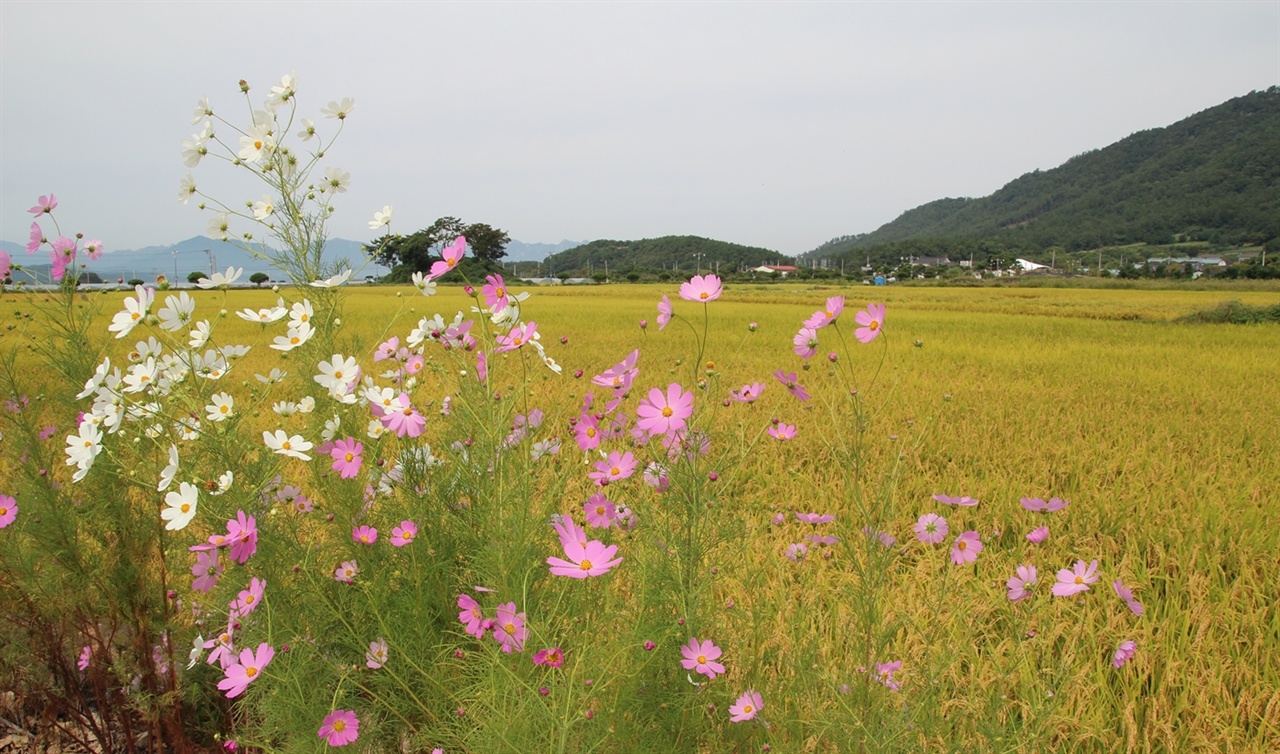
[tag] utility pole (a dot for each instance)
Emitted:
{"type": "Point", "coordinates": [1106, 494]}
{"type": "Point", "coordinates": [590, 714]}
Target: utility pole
{"type": "Point", "coordinates": [175, 266]}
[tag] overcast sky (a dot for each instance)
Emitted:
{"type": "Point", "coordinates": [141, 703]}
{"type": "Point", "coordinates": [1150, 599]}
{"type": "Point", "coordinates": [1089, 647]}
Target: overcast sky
{"type": "Point", "coordinates": [772, 124]}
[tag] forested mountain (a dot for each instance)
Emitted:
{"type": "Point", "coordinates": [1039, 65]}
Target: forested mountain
{"type": "Point", "coordinates": [673, 253]}
{"type": "Point", "coordinates": [1214, 176]}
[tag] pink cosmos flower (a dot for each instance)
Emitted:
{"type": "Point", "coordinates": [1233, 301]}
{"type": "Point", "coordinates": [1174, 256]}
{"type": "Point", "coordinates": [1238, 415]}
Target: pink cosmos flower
{"type": "Point", "coordinates": [36, 238]}
{"type": "Point", "coordinates": [206, 570]}
{"type": "Point", "coordinates": [415, 363]}
{"type": "Point", "coordinates": [1036, 504]}
{"type": "Point", "coordinates": [966, 548]}
{"type": "Point", "coordinates": [94, 249]}
{"type": "Point", "coordinates": [616, 467]}
{"type": "Point", "coordinates": [931, 529]}
{"type": "Point", "coordinates": [1020, 584]}
{"type": "Point", "coordinates": [1076, 579]}
{"type": "Point", "coordinates": [482, 366]}
{"type": "Point", "coordinates": [248, 599]}
{"type": "Point", "coordinates": [962, 500]}
{"type": "Point", "coordinates": [404, 533]}
{"type": "Point", "coordinates": [376, 657]}
{"type": "Point", "coordinates": [884, 674]}
{"type": "Point", "coordinates": [494, 292]}
{"type": "Point", "coordinates": [700, 657]}
{"type": "Point", "coordinates": [796, 551]}
{"type": "Point", "coordinates": [44, 205]}
{"type": "Point", "coordinates": [789, 381]}
{"type": "Point", "coordinates": [519, 335]}
{"type": "Point", "coordinates": [86, 655]}
{"type": "Point", "coordinates": [346, 454]}
{"type": "Point", "coordinates": [451, 255]}
{"type": "Point", "coordinates": [1126, 594]}
{"type": "Point", "coordinates": [657, 476]}
{"type": "Point", "coordinates": [599, 510]}
{"type": "Point", "coordinates": [224, 652]}
{"type": "Point", "coordinates": [748, 393]}
{"type": "Point", "coordinates": [746, 708]}
{"type": "Point", "coordinates": [1124, 653]}
{"type": "Point", "coordinates": [587, 432]}
{"type": "Point", "coordinates": [871, 321]}
{"type": "Point", "coordinates": [782, 431]}
{"type": "Point", "coordinates": [242, 535]}
{"type": "Point", "coordinates": [665, 413]}
{"type": "Point", "coordinates": [815, 518]}
{"type": "Point", "coordinates": [828, 315]}
{"type": "Point", "coordinates": [400, 417]}
{"type": "Point", "coordinates": [471, 616]}
{"type": "Point", "coordinates": [6, 265]}
{"type": "Point", "coordinates": [1038, 535]}
{"type": "Point", "coordinates": [340, 727]}
{"type": "Point", "coordinates": [364, 535]}
{"type": "Point", "coordinates": [701, 289]}
{"type": "Point", "coordinates": [509, 628]}
{"type": "Point", "coordinates": [664, 312]}
{"type": "Point", "coordinates": [386, 349]}
{"type": "Point", "coordinates": [806, 342]}
{"type": "Point", "coordinates": [589, 559]}
{"type": "Point", "coordinates": [347, 572]}
{"type": "Point", "coordinates": [552, 657]}
{"type": "Point", "coordinates": [8, 510]}
{"type": "Point", "coordinates": [247, 670]}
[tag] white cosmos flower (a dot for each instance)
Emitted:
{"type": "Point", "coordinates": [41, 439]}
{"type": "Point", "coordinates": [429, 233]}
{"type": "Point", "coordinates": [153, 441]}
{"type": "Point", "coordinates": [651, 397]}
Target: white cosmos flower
{"type": "Point", "coordinates": [169, 472]}
{"type": "Point", "coordinates": [425, 287]}
{"type": "Point", "coordinates": [285, 445]}
{"type": "Point", "coordinates": [375, 429]}
{"type": "Point", "coordinates": [264, 316]}
{"type": "Point", "coordinates": [331, 427]}
{"type": "Point", "coordinates": [193, 150]}
{"type": "Point", "coordinates": [332, 282]}
{"type": "Point", "coordinates": [236, 351]}
{"type": "Point", "coordinates": [336, 180]}
{"type": "Point", "coordinates": [381, 218]}
{"type": "Point", "coordinates": [306, 405]}
{"type": "Point", "coordinates": [148, 347]}
{"type": "Point", "coordinates": [296, 336]}
{"type": "Point", "coordinates": [308, 131]}
{"type": "Point", "coordinates": [285, 408]}
{"type": "Point", "coordinates": [221, 405]}
{"type": "Point", "coordinates": [338, 371]}
{"type": "Point", "coordinates": [84, 446]}
{"type": "Point", "coordinates": [264, 208]}
{"type": "Point", "coordinates": [220, 279]}
{"type": "Point", "coordinates": [134, 310]}
{"type": "Point", "coordinates": [140, 376]}
{"type": "Point", "coordinates": [176, 312]}
{"type": "Point", "coordinates": [224, 483]}
{"type": "Point", "coordinates": [271, 378]}
{"type": "Point", "coordinates": [220, 226]}
{"type": "Point", "coordinates": [188, 429]}
{"type": "Point", "coordinates": [186, 188]}
{"type": "Point", "coordinates": [181, 506]}
{"type": "Point", "coordinates": [199, 334]}
{"type": "Point", "coordinates": [96, 380]}
{"type": "Point", "coordinates": [339, 109]}
{"type": "Point", "coordinates": [284, 91]}
{"type": "Point", "coordinates": [256, 142]}
{"type": "Point", "coordinates": [202, 111]}
{"type": "Point", "coordinates": [301, 313]}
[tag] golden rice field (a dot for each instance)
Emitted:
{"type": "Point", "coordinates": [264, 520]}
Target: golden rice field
{"type": "Point", "coordinates": [1165, 437]}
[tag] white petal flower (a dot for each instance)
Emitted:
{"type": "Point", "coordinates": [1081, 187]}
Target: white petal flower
{"type": "Point", "coordinates": [274, 376]}
{"type": "Point", "coordinates": [134, 310]}
{"type": "Point", "coordinates": [381, 218]}
{"type": "Point", "coordinates": [181, 506]}
{"type": "Point", "coordinates": [308, 131]}
{"type": "Point", "coordinates": [306, 405]}
{"type": "Point", "coordinates": [224, 483]}
{"type": "Point", "coordinates": [221, 405]}
{"type": "Point", "coordinates": [202, 111]}
{"type": "Point", "coordinates": [332, 282]}
{"type": "Point", "coordinates": [199, 334]}
{"type": "Point", "coordinates": [301, 313]}
{"type": "Point", "coordinates": [255, 143]}
{"type": "Point", "coordinates": [296, 336]}
{"type": "Point", "coordinates": [169, 472]}
{"type": "Point", "coordinates": [264, 208]}
{"type": "Point", "coordinates": [186, 188]}
{"type": "Point", "coordinates": [285, 445]}
{"type": "Point", "coordinates": [375, 429]}
{"type": "Point", "coordinates": [284, 91]}
{"type": "Point", "coordinates": [285, 408]}
{"type": "Point", "coordinates": [96, 380]}
{"type": "Point", "coordinates": [140, 376]}
{"type": "Point", "coordinates": [338, 371]}
{"type": "Point", "coordinates": [85, 445]}
{"type": "Point", "coordinates": [220, 226]}
{"type": "Point", "coordinates": [193, 150]}
{"type": "Point", "coordinates": [336, 180]}
{"type": "Point", "coordinates": [331, 427]}
{"type": "Point", "coordinates": [425, 287]}
{"type": "Point", "coordinates": [220, 279]}
{"type": "Point", "coordinates": [339, 110]}
{"type": "Point", "coordinates": [176, 312]}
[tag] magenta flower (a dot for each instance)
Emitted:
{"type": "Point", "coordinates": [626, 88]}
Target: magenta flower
{"type": "Point", "coordinates": [247, 670]}
{"type": "Point", "coordinates": [471, 616]}
{"type": "Point", "coordinates": [616, 467]}
{"type": "Point", "coordinates": [1076, 579]}
{"type": "Point", "coordinates": [346, 454]}
{"type": "Point", "coordinates": [1020, 584]}
{"type": "Point", "coordinates": [748, 393]}
{"type": "Point", "coordinates": [86, 655]}
{"type": "Point", "coordinates": [386, 349]}
{"type": "Point", "coordinates": [340, 727]}
{"type": "Point", "coordinates": [1124, 653]}
{"type": "Point", "coordinates": [8, 510]}
{"type": "Point", "coordinates": [248, 599]}
{"type": "Point", "coordinates": [664, 413]}
{"type": "Point", "coordinates": [789, 381]}
{"type": "Point", "coordinates": [701, 288]}
{"type": "Point", "coordinates": [401, 418]}
{"type": "Point", "coordinates": [242, 535]}
{"type": "Point", "coordinates": [871, 321]}
{"type": "Point", "coordinates": [657, 476]}
{"type": "Point", "coordinates": [815, 518]}
{"type": "Point", "coordinates": [884, 674]}
{"type": "Point", "coordinates": [44, 205]}
{"type": "Point", "coordinates": [962, 500]}
{"type": "Point", "coordinates": [451, 255]}
{"type": "Point", "coordinates": [404, 533]}
{"type": "Point", "coordinates": [599, 510]}
{"type": "Point", "coordinates": [782, 431]}
{"type": "Point", "coordinates": [6, 265]}
{"type": "Point", "coordinates": [552, 657]}
{"type": "Point", "coordinates": [519, 335]}
{"type": "Point", "coordinates": [1126, 594]}
{"type": "Point", "coordinates": [1038, 535]}
{"type": "Point", "coordinates": [509, 628]}
{"type": "Point", "coordinates": [796, 551]}
{"type": "Point", "coordinates": [494, 292]}
{"type": "Point", "coordinates": [36, 238]}
{"type": "Point", "coordinates": [966, 548]}
{"type": "Point", "coordinates": [1036, 504]}
{"type": "Point", "coordinates": [364, 535]}
{"type": "Point", "coordinates": [664, 312]}
{"type": "Point", "coordinates": [206, 569]}
{"type": "Point", "coordinates": [827, 316]}
{"type": "Point", "coordinates": [376, 657]}
{"type": "Point", "coordinates": [589, 559]}
{"type": "Point", "coordinates": [931, 529]}
{"type": "Point", "coordinates": [806, 342]}
{"type": "Point", "coordinates": [347, 572]}
{"type": "Point", "coordinates": [746, 708]}
{"type": "Point", "coordinates": [700, 657]}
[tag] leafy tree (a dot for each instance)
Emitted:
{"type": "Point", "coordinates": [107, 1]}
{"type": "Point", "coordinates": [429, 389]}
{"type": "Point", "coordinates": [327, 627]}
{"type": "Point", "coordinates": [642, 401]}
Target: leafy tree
{"type": "Point", "coordinates": [192, 277]}
{"type": "Point", "coordinates": [258, 278]}
{"type": "Point", "coordinates": [415, 252]}
{"type": "Point", "coordinates": [135, 282]}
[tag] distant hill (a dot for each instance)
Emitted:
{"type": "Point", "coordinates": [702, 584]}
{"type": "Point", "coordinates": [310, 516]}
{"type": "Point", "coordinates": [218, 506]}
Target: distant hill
{"type": "Point", "coordinates": [1214, 176]}
{"type": "Point", "coordinates": [675, 253]}
{"type": "Point", "coordinates": [519, 251]}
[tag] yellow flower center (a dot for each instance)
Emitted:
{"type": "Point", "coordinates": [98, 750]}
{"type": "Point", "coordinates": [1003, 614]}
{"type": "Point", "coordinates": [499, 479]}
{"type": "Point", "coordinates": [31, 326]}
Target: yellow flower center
{"type": "Point", "coordinates": [961, 545]}
{"type": "Point", "coordinates": [257, 144]}
{"type": "Point", "coordinates": [702, 659]}
{"type": "Point", "coordinates": [287, 446]}
{"type": "Point", "coordinates": [586, 565]}
{"type": "Point", "coordinates": [350, 457]}
{"type": "Point", "coordinates": [249, 599]}
{"type": "Point", "coordinates": [1079, 579]}
{"type": "Point", "coordinates": [510, 628]}
{"type": "Point", "coordinates": [874, 325]}
{"type": "Point", "coordinates": [339, 726]}
{"type": "Point", "coordinates": [591, 431]}
{"type": "Point", "coordinates": [185, 507]}
{"type": "Point", "coordinates": [703, 295]}
{"type": "Point", "coordinates": [250, 672]}
{"type": "Point", "coordinates": [666, 411]}
{"type": "Point", "coordinates": [746, 709]}
{"type": "Point", "coordinates": [615, 471]}
{"type": "Point", "coordinates": [224, 409]}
